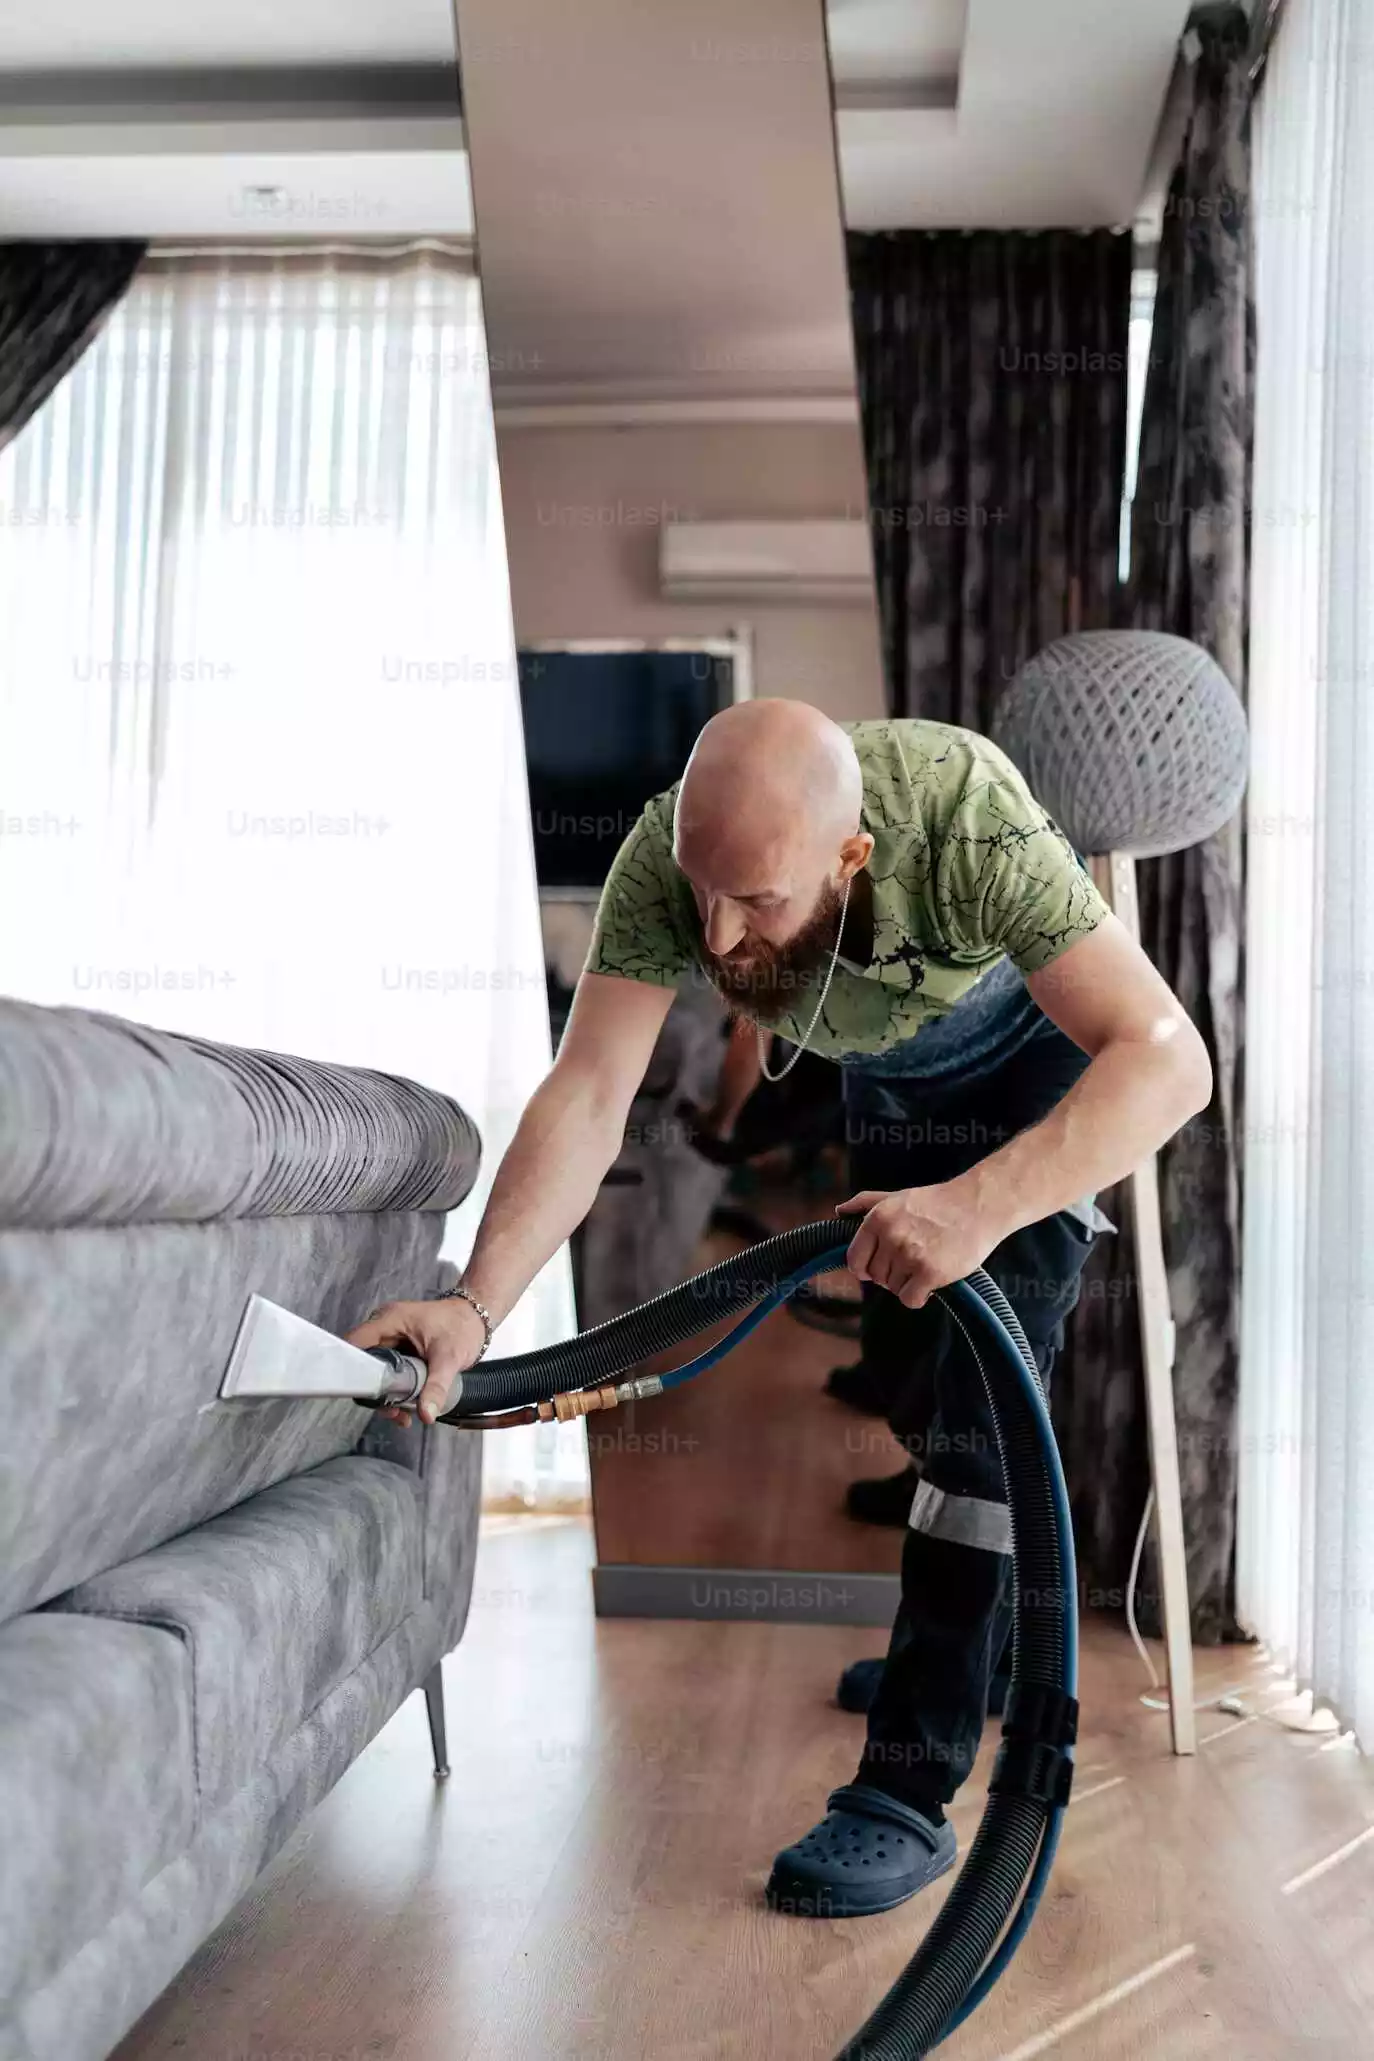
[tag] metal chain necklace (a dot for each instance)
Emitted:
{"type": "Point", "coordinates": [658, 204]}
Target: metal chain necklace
{"type": "Point", "coordinates": [816, 1016]}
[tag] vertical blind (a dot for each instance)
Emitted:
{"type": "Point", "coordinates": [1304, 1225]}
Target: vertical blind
{"type": "Point", "coordinates": [1305, 1544]}
{"type": "Point", "coordinates": [263, 771]}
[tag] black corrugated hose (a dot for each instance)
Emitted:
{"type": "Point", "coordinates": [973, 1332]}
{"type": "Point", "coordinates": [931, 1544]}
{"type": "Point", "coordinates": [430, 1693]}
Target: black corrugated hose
{"type": "Point", "coordinates": [960, 1955]}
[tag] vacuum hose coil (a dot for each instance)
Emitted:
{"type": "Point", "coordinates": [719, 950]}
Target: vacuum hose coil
{"type": "Point", "coordinates": [996, 1892]}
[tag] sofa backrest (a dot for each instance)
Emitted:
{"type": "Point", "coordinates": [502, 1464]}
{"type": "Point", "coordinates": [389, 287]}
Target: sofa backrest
{"type": "Point", "coordinates": [148, 1184]}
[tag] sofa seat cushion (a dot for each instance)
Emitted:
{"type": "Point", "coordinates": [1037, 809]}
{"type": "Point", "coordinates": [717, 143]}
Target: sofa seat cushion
{"type": "Point", "coordinates": [97, 1780]}
{"type": "Point", "coordinates": [277, 1602]}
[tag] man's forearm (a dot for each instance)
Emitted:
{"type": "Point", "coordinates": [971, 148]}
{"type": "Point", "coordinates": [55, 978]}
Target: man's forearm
{"type": "Point", "coordinates": [1128, 1102]}
{"type": "Point", "coordinates": [546, 1184]}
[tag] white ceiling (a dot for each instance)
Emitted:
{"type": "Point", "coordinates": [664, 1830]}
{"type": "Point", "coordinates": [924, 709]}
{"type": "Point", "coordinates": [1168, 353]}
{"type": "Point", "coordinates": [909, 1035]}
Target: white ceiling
{"type": "Point", "coordinates": [658, 211]}
{"type": "Point", "coordinates": [90, 35]}
{"type": "Point", "coordinates": [880, 47]}
{"type": "Point", "coordinates": [1058, 101]}
{"type": "Point", "coordinates": [657, 182]}
{"type": "Point", "coordinates": [231, 118]}
{"type": "Point", "coordinates": [953, 113]}
{"type": "Point", "coordinates": [871, 41]}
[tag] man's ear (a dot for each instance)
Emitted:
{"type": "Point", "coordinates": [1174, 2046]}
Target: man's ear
{"type": "Point", "coordinates": [856, 851]}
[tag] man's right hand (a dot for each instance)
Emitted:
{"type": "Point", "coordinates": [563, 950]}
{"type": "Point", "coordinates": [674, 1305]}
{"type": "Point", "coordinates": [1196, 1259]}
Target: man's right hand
{"type": "Point", "coordinates": [546, 1183]}
{"type": "Point", "coordinates": [447, 1335]}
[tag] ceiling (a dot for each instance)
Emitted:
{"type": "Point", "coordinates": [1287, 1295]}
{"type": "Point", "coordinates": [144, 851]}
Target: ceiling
{"type": "Point", "coordinates": [898, 53]}
{"type": "Point", "coordinates": [86, 35]}
{"type": "Point", "coordinates": [1051, 126]}
{"type": "Point", "coordinates": [665, 203]}
{"type": "Point", "coordinates": [952, 113]}
{"type": "Point", "coordinates": [878, 45]}
{"type": "Point", "coordinates": [658, 206]}
{"type": "Point", "coordinates": [232, 118]}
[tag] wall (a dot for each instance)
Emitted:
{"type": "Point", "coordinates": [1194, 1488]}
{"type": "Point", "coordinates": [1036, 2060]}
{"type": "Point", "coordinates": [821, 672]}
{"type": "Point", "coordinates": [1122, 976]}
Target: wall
{"type": "Point", "coordinates": [583, 509]}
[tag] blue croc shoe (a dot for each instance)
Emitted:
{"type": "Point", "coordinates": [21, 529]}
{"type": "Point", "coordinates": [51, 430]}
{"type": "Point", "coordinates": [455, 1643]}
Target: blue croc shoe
{"type": "Point", "coordinates": [869, 1853]}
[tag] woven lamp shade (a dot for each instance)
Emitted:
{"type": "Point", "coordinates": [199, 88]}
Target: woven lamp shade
{"type": "Point", "coordinates": [1135, 741]}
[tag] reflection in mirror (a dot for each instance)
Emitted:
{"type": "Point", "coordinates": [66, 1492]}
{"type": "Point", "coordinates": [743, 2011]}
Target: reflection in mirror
{"type": "Point", "coordinates": [663, 278]}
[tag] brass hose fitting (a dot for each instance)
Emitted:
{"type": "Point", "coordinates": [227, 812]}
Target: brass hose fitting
{"type": "Point", "coordinates": [578, 1404]}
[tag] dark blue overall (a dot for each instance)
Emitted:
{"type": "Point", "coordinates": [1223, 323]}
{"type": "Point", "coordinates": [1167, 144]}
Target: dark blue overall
{"type": "Point", "coordinates": [918, 1114]}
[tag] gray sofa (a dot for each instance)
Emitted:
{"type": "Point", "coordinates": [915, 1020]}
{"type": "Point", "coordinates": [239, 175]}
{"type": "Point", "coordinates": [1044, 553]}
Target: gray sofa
{"type": "Point", "coordinates": [205, 1612]}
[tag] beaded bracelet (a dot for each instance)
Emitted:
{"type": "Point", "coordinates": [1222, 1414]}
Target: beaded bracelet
{"type": "Point", "coordinates": [467, 1296]}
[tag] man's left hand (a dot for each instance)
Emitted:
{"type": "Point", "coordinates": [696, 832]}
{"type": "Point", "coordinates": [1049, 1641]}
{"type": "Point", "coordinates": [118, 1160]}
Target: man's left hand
{"type": "Point", "coordinates": [915, 1240]}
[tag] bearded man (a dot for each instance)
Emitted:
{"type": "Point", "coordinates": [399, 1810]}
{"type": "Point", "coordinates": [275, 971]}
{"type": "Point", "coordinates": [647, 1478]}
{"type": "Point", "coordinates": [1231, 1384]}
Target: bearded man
{"type": "Point", "coordinates": [888, 895]}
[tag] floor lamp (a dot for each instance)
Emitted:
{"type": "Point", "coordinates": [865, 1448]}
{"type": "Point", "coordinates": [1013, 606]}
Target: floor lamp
{"type": "Point", "coordinates": [1135, 741]}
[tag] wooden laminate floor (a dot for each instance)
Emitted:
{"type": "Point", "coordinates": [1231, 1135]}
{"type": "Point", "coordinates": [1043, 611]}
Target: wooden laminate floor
{"type": "Point", "coordinates": [588, 1883]}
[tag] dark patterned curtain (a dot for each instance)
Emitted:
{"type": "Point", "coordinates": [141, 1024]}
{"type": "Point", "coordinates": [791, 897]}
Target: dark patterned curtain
{"type": "Point", "coordinates": [992, 377]}
{"type": "Point", "coordinates": [1189, 572]}
{"type": "Point", "coordinates": [53, 299]}
{"type": "Point", "coordinates": [1190, 569]}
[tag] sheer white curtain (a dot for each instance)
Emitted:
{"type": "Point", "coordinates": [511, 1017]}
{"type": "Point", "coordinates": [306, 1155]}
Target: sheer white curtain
{"type": "Point", "coordinates": [1305, 1550]}
{"type": "Point", "coordinates": [263, 775]}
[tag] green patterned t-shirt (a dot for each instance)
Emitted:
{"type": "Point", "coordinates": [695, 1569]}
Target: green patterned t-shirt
{"type": "Point", "coordinates": [967, 871]}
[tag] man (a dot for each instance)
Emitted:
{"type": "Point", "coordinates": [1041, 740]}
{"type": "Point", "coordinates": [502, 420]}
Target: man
{"type": "Point", "coordinates": [889, 895]}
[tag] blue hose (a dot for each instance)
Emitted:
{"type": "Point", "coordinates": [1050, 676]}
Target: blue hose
{"type": "Point", "coordinates": [994, 1897]}
{"type": "Point", "coordinates": [962, 1295]}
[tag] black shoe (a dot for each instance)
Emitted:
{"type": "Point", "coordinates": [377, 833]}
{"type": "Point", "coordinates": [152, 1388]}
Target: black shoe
{"type": "Point", "coordinates": [887, 1501]}
{"type": "Point", "coordinates": [858, 1685]}
{"type": "Point", "coordinates": [861, 1387]}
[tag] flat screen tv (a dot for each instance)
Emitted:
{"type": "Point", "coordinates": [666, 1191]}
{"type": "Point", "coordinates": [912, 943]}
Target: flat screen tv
{"type": "Point", "coordinates": [605, 730]}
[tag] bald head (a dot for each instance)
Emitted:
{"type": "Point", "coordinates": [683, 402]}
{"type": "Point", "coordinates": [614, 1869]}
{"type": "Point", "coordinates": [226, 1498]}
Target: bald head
{"type": "Point", "coordinates": [769, 778]}
{"type": "Point", "coordinates": [768, 831]}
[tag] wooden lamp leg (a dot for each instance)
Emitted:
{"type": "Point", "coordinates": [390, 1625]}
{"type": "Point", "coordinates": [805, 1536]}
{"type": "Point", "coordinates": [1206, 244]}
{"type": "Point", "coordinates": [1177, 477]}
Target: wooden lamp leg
{"type": "Point", "coordinates": [1116, 877]}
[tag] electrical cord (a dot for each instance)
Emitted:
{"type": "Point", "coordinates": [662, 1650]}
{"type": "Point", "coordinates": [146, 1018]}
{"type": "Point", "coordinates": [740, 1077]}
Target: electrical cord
{"type": "Point", "coordinates": [1229, 1701]}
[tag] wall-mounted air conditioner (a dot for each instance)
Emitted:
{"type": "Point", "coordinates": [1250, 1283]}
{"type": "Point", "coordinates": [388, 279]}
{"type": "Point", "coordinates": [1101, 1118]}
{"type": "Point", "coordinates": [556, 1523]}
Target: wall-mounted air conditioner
{"type": "Point", "coordinates": [766, 561]}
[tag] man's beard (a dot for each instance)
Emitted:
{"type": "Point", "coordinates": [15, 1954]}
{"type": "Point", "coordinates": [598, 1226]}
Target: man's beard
{"type": "Point", "coordinates": [773, 981]}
